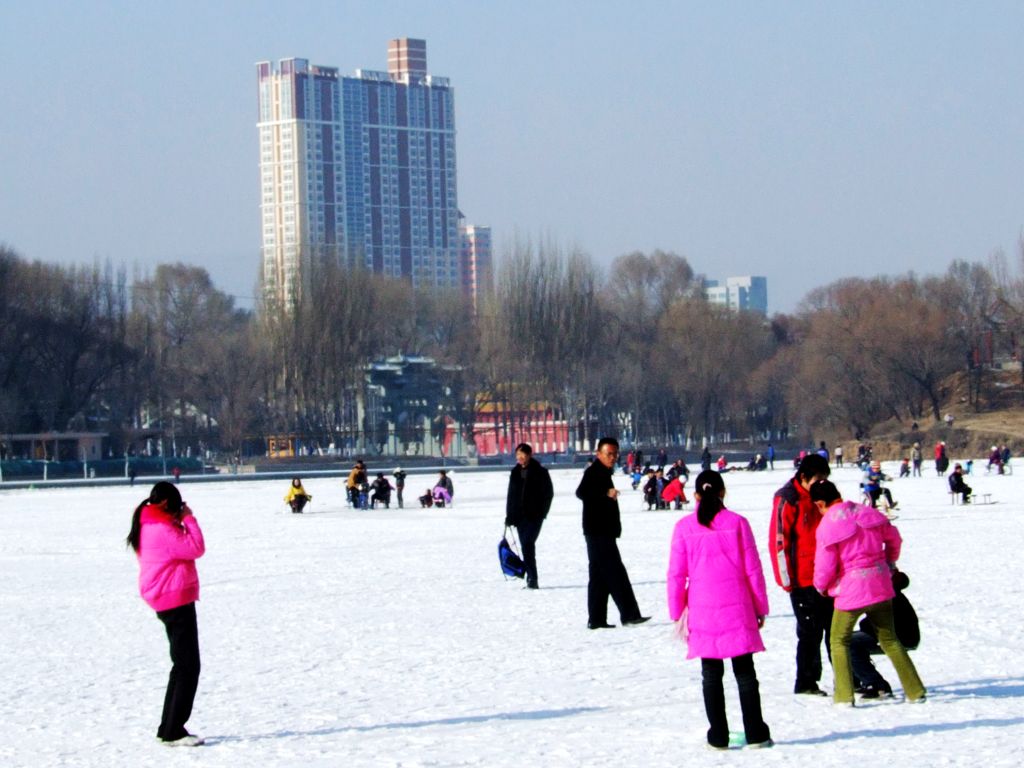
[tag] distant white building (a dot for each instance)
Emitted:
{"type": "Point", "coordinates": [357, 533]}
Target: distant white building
{"type": "Point", "coordinates": [739, 293]}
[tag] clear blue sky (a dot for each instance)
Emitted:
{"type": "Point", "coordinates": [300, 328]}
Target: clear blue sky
{"type": "Point", "coordinates": [802, 141]}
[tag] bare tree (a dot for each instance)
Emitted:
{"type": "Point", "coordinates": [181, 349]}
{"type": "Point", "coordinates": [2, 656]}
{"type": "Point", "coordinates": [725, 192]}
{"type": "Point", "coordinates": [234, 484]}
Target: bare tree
{"type": "Point", "coordinates": [641, 288]}
{"type": "Point", "coordinates": [707, 353]}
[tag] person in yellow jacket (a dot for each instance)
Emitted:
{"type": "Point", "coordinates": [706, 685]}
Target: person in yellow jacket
{"type": "Point", "coordinates": [297, 498]}
{"type": "Point", "coordinates": [356, 482]}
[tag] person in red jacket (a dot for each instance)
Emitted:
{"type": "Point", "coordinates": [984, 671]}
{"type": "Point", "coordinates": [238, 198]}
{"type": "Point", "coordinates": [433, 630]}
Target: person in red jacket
{"type": "Point", "coordinates": [792, 542]}
{"type": "Point", "coordinates": [167, 540]}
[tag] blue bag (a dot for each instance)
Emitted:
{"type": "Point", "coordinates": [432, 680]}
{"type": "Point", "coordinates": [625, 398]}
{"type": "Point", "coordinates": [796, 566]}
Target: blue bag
{"type": "Point", "coordinates": [511, 563]}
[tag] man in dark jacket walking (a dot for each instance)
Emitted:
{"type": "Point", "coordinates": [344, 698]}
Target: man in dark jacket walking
{"type": "Point", "coordinates": [601, 527]}
{"type": "Point", "coordinates": [529, 499]}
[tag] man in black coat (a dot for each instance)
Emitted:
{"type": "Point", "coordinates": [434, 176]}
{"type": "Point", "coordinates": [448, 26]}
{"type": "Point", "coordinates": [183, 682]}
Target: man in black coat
{"type": "Point", "coordinates": [601, 527]}
{"type": "Point", "coordinates": [529, 499]}
{"type": "Point", "coordinates": [957, 484]}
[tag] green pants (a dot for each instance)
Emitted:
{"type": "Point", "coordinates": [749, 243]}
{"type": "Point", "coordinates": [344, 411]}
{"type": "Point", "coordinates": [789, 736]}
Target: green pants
{"type": "Point", "coordinates": [843, 623]}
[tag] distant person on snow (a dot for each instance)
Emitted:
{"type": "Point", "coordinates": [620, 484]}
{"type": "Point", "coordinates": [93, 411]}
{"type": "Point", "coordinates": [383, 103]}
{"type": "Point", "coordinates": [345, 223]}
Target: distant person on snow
{"type": "Point", "coordinates": [958, 485]}
{"type": "Point", "coordinates": [873, 485]}
{"type": "Point", "coordinates": [526, 505]}
{"type": "Point", "coordinates": [995, 459]}
{"type": "Point", "coordinates": [380, 491]}
{"type": "Point", "coordinates": [427, 499]}
{"type": "Point", "coordinates": [356, 483]}
{"type": "Point", "coordinates": [652, 490]}
{"type": "Point", "coordinates": [167, 541]}
{"type": "Point", "coordinates": [443, 481]}
{"type": "Point", "coordinates": [399, 475]}
{"type": "Point", "coordinates": [674, 492]}
{"type": "Point", "coordinates": [297, 498]}
{"type": "Point", "coordinates": [941, 459]}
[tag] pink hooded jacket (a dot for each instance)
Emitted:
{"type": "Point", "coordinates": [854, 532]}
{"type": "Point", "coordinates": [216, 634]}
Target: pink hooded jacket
{"type": "Point", "coordinates": [167, 559]}
{"type": "Point", "coordinates": [715, 575]}
{"type": "Point", "coordinates": [856, 545]}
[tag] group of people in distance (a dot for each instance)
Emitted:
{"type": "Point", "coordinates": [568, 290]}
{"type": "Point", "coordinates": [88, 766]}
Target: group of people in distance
{"type": "Point", "coordinates": [664, 488]}
{"type": "Point", "coordinates": [835, 558]}
{"type": "Point", "coordinates": [362, 494]}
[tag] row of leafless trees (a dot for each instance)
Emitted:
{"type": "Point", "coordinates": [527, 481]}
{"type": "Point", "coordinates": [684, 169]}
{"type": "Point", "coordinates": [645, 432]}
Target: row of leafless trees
{"type": "Point", "coordinates": [636, 352]}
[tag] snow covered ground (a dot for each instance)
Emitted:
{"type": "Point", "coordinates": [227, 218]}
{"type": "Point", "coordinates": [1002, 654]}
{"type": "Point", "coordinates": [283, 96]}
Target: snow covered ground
{"type": "Point", "coordinates": [390, 638]}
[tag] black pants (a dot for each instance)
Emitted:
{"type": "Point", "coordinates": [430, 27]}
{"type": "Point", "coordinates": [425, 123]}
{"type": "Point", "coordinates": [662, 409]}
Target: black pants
{"type": "Point", "coordinates": [183, 634]}
{"type": "Point", "coordinates": [813, 625]}
{"type": "Point", "coordinates": [712, 672]}
{"type": "Point", "coordinates": [529, 531]}
{"type": "Point", "coordinates": [862, 645]}
{"type": "Point", "coordinates": [880, 492]}
{"type": "Point", "coordinates": [608, 577]}
{"type": "Point", "coordinates": [401, 501]}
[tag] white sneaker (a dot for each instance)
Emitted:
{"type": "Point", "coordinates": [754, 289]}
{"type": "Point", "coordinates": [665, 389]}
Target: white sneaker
{"type": "Point", "coordinates": [185, 741]}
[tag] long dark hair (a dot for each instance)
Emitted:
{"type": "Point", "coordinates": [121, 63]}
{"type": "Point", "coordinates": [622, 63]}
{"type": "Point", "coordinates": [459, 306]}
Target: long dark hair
{"type": "Point", "coordinates": [162, 491]}
{"type": "Point", "coordinates": [709, 487]}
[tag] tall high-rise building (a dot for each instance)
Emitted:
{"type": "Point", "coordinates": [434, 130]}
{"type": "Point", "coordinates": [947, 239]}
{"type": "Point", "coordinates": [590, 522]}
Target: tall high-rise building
{"type": "Point", "coordinates": [358, 169]}
{"type": "Point", "coordinates": [475, 261]}
{"type": "Point", "coordinates": [747, 293]}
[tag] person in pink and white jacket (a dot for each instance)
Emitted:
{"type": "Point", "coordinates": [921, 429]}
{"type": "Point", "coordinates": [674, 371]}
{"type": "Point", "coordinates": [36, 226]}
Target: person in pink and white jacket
{"type": "Point", "coordinates": [857, 547]}
{"type": "Point", "coordinates": [167, 540]}
{"type": "Point", "coordinates": [716, 593]}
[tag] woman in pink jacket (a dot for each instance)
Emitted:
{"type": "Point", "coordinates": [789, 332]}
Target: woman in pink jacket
{"type": "Point", "coordinates": [167, 540]}
{"type": "Point", "coordinates": [716, 592]}
{"type": "Point", "coordinates": [856, 549]}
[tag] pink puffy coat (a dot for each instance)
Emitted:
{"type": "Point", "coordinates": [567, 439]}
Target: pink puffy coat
{"type": "Point", "coordinates": [856, 545]}
{"type": "Point", "coordinates": [715, 575]}
{"type": "Point", "coordinates": [167, 559]}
